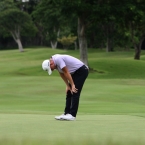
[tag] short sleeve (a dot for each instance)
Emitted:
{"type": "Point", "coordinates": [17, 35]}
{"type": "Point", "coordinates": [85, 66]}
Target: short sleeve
{"type": "Point", "coordinates": [60, 63]}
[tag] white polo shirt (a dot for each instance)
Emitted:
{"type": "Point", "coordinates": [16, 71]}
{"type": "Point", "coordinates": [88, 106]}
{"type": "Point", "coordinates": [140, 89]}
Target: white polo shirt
{"type": "Point", "coordinates": [68, 61]}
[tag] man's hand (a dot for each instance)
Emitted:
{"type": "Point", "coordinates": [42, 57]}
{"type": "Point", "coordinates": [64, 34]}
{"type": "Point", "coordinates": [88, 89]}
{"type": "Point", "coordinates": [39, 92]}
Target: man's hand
{"type": "Point", "coordinates": [68, 79]}
{"type": "Point", "coordinates": [72, 89]}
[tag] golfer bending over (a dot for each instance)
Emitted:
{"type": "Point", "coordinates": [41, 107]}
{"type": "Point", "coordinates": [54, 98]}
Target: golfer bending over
{"type": "Point", "coordinates": [74, 74]}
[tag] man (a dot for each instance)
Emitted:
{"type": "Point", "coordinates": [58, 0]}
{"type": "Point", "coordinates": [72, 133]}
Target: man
{"type": "Point", "coordinates": [74, 73]}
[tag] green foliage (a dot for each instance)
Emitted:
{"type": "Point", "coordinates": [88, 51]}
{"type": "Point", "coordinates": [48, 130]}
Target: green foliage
{"type": "Point", "coordinates": [13, 18]}
{"type": "Point", "coordinates": [98, 17]}
{"type": "Point", "coordinates": [13, 21]}
{"type": "Point", "coordinates": [6, 4]}
{"type": "Point", "coordinates": [29, 29]}
{"type": "Point", "coordinates": [51, 20]}
{"type": "Point", "coordinates": [3, 32]}
{"type": "Point", "coordinates": [66, 41]}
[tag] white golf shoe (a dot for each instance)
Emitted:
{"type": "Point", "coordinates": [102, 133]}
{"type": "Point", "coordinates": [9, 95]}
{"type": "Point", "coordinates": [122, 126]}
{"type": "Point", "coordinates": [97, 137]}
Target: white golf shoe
{"type": "Point", "coordinates": [68, 117]}
{"type": "Point", "coordinates": [59, 117]}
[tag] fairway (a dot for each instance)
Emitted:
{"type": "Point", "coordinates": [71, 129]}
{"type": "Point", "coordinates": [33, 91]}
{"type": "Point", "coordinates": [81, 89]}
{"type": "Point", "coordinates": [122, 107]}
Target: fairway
{"type": "Point", "coordinates": [112, 104]}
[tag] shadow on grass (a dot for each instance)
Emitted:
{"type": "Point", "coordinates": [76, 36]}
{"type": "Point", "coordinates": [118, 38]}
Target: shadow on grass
{"type": "Point", "coordinates": [92, 70]}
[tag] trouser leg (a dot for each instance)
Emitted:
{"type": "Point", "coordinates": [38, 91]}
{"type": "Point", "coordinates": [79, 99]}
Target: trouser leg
{"type": "Point", "coordinates": [76, 96]}
{"type": "Point", "coordinates": [72, 100]}
{"type": "Point", "coordinates": [75, 104]}
{"type": "Point", "coordinates": [68, 102]}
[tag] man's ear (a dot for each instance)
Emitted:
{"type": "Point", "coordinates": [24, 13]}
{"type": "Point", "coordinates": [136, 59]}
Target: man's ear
{"type": "Point", "coordinates": [51, 61]}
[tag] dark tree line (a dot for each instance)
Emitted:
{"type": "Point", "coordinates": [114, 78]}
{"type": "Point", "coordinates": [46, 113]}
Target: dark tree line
{"type": "Point", "coordinates": [96, 23]}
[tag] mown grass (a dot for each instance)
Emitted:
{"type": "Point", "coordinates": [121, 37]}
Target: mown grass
{"type": "Point", "coordinates": [107, 65]}
{"type": "Point", "coordinates": [95, 129]}
{"type": "Point", "coordinates": [112, 104]}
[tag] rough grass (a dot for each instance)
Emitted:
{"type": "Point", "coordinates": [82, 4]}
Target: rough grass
{"type": "Point", "coordinates": [112, 104]}
{"type": "Point", "coordinates": [106, 65]}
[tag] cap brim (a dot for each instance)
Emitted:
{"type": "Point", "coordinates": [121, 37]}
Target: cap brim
{"type": "Point", "coordinates": [49, 71]}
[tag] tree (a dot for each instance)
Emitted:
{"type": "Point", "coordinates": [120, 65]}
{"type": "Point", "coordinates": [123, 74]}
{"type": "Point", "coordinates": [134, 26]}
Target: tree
{"type": "Point", "coordinates": [83, 9]}
{"type": "Point", "coordinates": [48, 16]}
{"type": "Point", "coordinates": [14, 20]}
{"type": "Point", "coordinates": [131, 21]}
{"type": "Point", "coordinates": [137, 26]}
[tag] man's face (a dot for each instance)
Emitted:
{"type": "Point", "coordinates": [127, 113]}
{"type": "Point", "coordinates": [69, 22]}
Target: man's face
{"type": "Point", "coordinates": [52, 65]}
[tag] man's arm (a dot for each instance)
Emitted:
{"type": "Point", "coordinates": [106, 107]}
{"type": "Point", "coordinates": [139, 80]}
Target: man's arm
{"type": "Point", "coordinates": [66, 76]}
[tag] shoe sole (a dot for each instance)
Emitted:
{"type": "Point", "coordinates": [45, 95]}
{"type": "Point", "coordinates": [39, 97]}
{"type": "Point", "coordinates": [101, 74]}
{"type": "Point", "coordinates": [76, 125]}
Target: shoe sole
{"type": "Point", "coordinates": [69, 119]}
{"type": "Point", "coordinates": [64, 119]}
{"type": "Point", "coordinates": [59, 119]}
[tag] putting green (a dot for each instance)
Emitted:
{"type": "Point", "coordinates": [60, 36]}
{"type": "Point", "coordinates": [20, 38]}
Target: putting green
{"type": "Point", "coordinates": [99, 127]}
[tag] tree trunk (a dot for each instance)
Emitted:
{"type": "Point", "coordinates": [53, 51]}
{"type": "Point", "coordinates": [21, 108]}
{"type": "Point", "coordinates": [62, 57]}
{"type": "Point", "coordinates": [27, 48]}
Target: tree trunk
{"type": "Point", "coordinates": [138, 49]}
{"type": "Point", "coordinates": [16, 36]}
{"type": "Point", "coordinates": [82, 41]}
{"type": "Point", "coordinates": [137, 53]}
{"type": "Point", "coordinates": [19, 45]}
{"type": "Point", "coordinates": [53, 44]}
{"type": "Point", "coordinates": [109, 33]}
{"type": "Point", "coordinates": [75, 43]}
{"type": "Point", "coordinates": [109, 47]}
{"type": "Point", "coordinates": [137, 45]}
{"type": "Point", "coordinates": [40, 33]}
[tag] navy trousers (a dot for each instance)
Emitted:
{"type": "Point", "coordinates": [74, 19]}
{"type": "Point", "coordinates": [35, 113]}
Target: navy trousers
{"type": "Point", "coordinates": [72, 100]}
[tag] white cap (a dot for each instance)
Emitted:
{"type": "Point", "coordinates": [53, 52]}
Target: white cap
{"type": "Point", "coordinates": [46, 66]}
